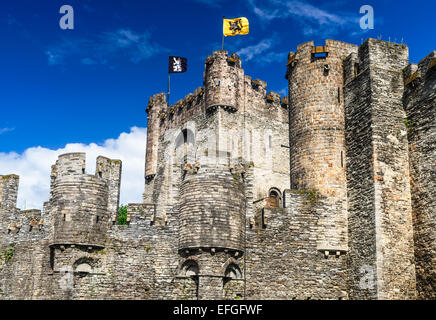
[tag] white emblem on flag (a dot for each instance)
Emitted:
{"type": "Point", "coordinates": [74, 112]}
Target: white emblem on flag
{"type": "Point", "coordinates": [177, 65]}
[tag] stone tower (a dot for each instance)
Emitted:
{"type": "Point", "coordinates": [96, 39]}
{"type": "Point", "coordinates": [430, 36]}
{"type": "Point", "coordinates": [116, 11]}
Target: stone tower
{"type": "Point", "coordinates": [223, 81]}
{"type": "Point", "coordinates": [317, 138]}
{"type": "Point", "coordinates": [378, 179]}
{"type": "Point", "coordinates": [83, 205]}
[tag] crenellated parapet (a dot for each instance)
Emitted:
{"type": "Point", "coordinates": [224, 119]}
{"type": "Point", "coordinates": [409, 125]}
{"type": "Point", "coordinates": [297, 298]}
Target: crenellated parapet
{"type": "Point", "coordinates": [183, 110]}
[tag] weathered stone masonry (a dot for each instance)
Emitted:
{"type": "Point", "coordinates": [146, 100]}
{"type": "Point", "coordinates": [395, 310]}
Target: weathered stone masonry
{"type": "Point", "coordinates": [219, 218]}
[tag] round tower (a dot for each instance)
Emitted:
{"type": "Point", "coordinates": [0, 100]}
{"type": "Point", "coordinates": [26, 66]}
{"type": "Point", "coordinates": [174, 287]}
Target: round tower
{"type": "Point", "coordinates": [211, 229]}
{"type": "Point", "coordinates": [317, 124]}
{"type": "Point", "coordinates": [212, 211]}
{"type": "Point", "coordinates": [79, 203]}
{"type": "Point", "coordinates": [223, 81]}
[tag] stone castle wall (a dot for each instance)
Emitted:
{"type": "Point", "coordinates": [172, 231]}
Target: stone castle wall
{"type": "Point", "coordinates": [218, 220]}
{"type": "Point", "coordinates": [380, 215]}
{"type": "Point", "coordinates": [420, 106]}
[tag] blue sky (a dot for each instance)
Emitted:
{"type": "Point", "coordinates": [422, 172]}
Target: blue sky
{"type": "Point", "coordinates": [91, 84]}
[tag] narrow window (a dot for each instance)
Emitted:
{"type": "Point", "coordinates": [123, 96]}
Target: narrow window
{"type": "Point", "coordinates": [342, 159]}
{"type": "Point", "coordinates": [100, 174]}
{"type": "Point", "coordinates": [320, 55]}
{"type": "Point", "coordinates": [356, 69]}
{"type": "Point", "coordinates": [339, 95]}
{"type": "Point", "coordinates": [98, 219]}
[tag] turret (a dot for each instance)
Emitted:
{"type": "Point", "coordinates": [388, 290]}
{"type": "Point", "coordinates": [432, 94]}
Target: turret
{"type": "Point", "coordinates": [223, 81]}
{"type": "Point", "coordinates": [81, 204]}
{"type": "Point", "coordinates": [317, 139]}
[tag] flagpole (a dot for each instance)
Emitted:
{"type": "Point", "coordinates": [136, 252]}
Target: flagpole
{"type": "Point", "coordinates": [223, 34]}
{"type": "Point", "coordinates": [168, 91]}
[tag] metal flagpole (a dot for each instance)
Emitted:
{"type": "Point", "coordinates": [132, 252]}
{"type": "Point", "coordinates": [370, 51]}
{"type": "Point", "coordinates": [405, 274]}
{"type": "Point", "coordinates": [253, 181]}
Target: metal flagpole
{"type": "Point", "coordinates": [223, 34]}
{"type": "Point", "coordinates": [168, 91]}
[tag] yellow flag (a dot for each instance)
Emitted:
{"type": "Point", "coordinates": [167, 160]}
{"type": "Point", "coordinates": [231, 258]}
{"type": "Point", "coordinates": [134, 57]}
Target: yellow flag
{"type": "Point", "coordinates": [233, 27]}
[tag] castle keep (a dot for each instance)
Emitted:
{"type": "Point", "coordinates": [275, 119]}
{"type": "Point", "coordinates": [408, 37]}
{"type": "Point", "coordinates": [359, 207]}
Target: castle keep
{"type": "Point", "coordinates": [328, 193]}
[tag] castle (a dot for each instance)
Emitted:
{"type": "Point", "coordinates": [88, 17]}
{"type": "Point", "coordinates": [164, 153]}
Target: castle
{"type": "Point", "coordinates": [326, 194]}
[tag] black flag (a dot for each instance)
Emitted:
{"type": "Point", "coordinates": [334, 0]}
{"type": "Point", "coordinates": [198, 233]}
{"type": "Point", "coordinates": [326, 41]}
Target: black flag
{"type": "Point", "coordinates": [177, 64]}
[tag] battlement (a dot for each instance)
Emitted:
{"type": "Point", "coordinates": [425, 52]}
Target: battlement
{"type": "Point", "coordinates": [26, 225]}
{"type": "Point", "coordinates": [308, 53]}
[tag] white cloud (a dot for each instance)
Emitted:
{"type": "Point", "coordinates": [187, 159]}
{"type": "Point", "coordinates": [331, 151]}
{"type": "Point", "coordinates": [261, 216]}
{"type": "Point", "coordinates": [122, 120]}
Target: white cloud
{"type": "Point", "coordinates": [211, 3]}
{"type": "Point", "coordinates": [107, 46]}
{"type": "Point", "coordinates": [34, 164]}
{"type": "Point", "coordinates": [314, 20]}
{"type": "Point", "coordinates": [4, 130]}
{"type": "Point", "coordinates": [250, 52]}
{"type": "Point", "coordinates": [261, 52]}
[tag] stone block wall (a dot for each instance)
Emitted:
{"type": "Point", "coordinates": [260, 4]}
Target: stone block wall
{"type": "Point", "coordinates": [420, 106]}
{"type": "Point", "coordinates": [8, 191]}
{"type": "Point", "coordinates": [282, 256]}
{"type": "Point", "coordinates": [379, 211]}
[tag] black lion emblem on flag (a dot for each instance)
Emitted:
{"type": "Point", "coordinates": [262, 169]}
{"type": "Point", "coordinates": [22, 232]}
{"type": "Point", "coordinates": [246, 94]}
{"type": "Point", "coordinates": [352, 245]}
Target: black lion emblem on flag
{"type": "Point", "coordinates": [235, 26]}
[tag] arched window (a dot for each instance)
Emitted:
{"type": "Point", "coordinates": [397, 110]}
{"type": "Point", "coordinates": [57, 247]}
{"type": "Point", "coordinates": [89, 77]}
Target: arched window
{"type": "Point", "coordinates": [184, 144]}
{"type": "Point", "coordinates": [233, 272]}
{"type": "Point", "coordinates": [274, 198]}
{"type": "Point", "coordinates": [83, 266]}
{"type": "Point", "coordinates": [189, 269]}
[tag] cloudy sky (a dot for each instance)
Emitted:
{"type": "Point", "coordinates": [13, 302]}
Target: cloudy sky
{"type": "Point", "coordinates": [86, 89]}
